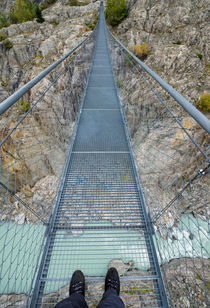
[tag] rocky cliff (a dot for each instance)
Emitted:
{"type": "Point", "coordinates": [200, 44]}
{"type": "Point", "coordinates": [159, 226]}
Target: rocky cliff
{"type": "Point", "coordinates": [177, 35]}
{"type": "Point", "coordinates": [35, 157]}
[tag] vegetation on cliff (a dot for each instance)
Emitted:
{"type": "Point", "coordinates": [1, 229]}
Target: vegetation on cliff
{"type": "Point", "coordinates": [22, 11]}
{"type": "Point", "coordinates": [116, 11]}
{"type": "Point", "coordinates": [204, 102]}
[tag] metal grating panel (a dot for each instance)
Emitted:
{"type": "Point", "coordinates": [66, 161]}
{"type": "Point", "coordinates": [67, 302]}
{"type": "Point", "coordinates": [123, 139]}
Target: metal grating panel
{"type": "Point", "coordinates": [101, 81]}
{"type": "Point", "coordinates": [100, 187]}
{"type": "Point", "coordinates": [102, 70]}
{"type": "Point", "coordinates": [99, 98]}
{"type": "Point", "coordinates": [100, 131]}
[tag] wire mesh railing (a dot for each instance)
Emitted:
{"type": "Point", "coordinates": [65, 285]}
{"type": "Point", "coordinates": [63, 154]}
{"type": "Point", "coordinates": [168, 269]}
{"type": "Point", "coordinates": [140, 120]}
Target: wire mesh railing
{"type": "Point", "coordinates": [35, 134]}
{"type": "Point", "coordinates": [171, 153]}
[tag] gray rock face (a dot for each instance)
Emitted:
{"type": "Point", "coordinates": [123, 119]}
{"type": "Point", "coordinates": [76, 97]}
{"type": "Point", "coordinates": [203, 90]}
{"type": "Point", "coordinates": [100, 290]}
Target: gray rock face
{"type": "Point", "coordinates": [13, 300]}
{"type": "Point", "coordinates": [63, 29]}
{"type": "Point", "coordinates": [41, 148]}
{"type": "Point", "coordinates": [166, 159]}
{"type": "Point", "coordinates": [188, 290]}
{"type": "Point", "coordinates": [6, 5]}
{"type": "Point", "coordinates": [165, 24]}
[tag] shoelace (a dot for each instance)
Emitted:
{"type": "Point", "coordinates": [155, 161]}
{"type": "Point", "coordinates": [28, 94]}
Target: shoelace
{"type": "Point", "coordinates": [112, 283]}
{"type": "Point", "coordinates": [78, 287]}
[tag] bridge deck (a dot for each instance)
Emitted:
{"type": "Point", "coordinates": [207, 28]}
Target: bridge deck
{"type": "Point", "coordinates": [100, 215]}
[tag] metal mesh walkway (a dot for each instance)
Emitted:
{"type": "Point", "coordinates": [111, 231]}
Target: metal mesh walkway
{"type": "Point", "coordinates": [99, 216]}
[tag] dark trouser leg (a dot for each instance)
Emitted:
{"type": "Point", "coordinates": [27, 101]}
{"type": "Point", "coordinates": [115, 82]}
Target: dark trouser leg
{"type": "Point", "coordinates": [111, 299]}
{"type": "Point", "coordinates": [73, 301]}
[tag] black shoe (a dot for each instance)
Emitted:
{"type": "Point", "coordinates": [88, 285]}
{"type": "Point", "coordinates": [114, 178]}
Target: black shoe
{"type": "Point", "coordinates": [112, 280]}
{"type": "Point", "coordinates": [77, 284]}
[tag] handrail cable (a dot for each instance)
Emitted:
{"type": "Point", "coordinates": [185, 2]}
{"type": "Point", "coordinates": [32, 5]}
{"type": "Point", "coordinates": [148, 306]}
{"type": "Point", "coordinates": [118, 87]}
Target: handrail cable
{"type": "Point", "coordinates": [25, 204]}
{"type": "Point", "coordinates": [7, 103]}
{"type": "Point", "coordinates": [198, 116]}
{"type": "Point", "coordinates": [158, 95]}
{"type": "Point", "coordinates": [198, 174]}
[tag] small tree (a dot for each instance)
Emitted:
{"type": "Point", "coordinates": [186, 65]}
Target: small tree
{"type": "Point", "coordinates": [116, 11]}
{"type": "Point", "coordinates": [38, 12]}
{"type": "Point", "coordinates": [22, 11]}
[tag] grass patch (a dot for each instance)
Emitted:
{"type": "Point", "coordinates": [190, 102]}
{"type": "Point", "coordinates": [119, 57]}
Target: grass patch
{"type": "Point", "coordinates": [141, 51]}
{"type": "Point", "coordinates": [3, 36]}
{"type": "Point", "coordinates": [178, 43]}
{"type": "Point", "coordinates": [38, 14]}
{"type": "Point", "coordinates": [119, 83]}
{"type": "Point", "coordinates": [129, 60]}
{"type": "Point", "coordinates": [22, 11]}
{"type": "Point", "coordinates": [92, 25]}
{"type": "Point", "coordinates": [4, 83]}
{"type": "Point", "coordinates": [200, 56]}
{"type": "Point", "coordinates": [116, 11]}
{"type": "Point", "coordinates": [77, 3]}
{"type": "Point", "coordinates": [139, 292]}
{"type": "Point", "coordinates": [204, 102]}
{"type": "Point", "coordinates": [8, 44]}
{"type": "Point", "coordinates": [4, 22]}
{"type": "Point", "coordinates": [25, 10]}
{"type": "Point", "coordinates": [24, 106]}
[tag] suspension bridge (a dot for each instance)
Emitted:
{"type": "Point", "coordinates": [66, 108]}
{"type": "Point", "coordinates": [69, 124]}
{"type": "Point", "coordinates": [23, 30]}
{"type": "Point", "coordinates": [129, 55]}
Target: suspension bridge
{"type": "Point", "coordinates": [100, 215]}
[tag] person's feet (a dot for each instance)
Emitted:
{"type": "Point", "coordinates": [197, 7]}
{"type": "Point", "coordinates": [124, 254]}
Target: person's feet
{"type": "Point", "coordinates": [77, 284]}
{"type": "Point", "coordinates": [112, 280]}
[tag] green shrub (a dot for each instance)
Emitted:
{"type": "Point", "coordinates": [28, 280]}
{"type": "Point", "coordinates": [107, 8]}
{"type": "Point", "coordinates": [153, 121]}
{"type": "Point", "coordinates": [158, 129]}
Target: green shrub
{"type": "Point", "coordinates": [178, 43]}
{"type": "Point", "coordinates": [77, 3]}
{"type": "Point", "coordinates": [141, 51]}
{"type": "Point", "coordinates": [200, 56]}
{"type": "Point", "coordinates": [24, 10]}
{"type": "Point", "coordinates": [24, 106]}
{"type": "Point", "coordinates": [38, 12]}
{"type": "Point", "coordinates": [92, 25]}
{"type": "Point", "coordinates": [204, 102]}
{"type": "Point", "coordinates": [3, 36]}
{"type": "Point", "coordinates": [119, 82]}
{"type": "Point", "coordinates": [116, 11]}
{"type": "Point", "coordinates": [8, 44]}
{"type": "Point", "coordinates": [44, 6]}
{"type": "Point", "coordinates": [4, 83]}
{"type": "Point", "coordinates": [4, 21]}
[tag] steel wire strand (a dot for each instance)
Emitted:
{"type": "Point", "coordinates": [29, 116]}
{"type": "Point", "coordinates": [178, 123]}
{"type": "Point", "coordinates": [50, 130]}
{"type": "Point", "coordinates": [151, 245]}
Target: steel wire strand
{"type": "Point", "coordinates": [132, 63]}
{"type": "Point", "coordinates": [25, 204]}
{"type": "Point", "coordinates": [198, 174]}
{"type": "Point", "coordinates": [158, 95]}
{"type": "Point", "coordinates": [17, 127]}
{"type": "Point", "coordinates": [54, 81]}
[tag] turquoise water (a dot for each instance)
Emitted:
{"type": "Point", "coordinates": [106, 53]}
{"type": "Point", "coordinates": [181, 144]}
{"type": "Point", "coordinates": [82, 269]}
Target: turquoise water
{"type": "Point", "coordinates": [19, 248]}
{"type": "Point", "coordinates": [19, 256]}
{"type": "Point", "coordinates": [189, 239]}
